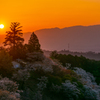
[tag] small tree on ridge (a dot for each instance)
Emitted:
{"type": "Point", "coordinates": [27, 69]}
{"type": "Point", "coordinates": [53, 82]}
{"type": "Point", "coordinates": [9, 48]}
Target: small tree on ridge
{"type": "Point", "coordinates": [33, 44]}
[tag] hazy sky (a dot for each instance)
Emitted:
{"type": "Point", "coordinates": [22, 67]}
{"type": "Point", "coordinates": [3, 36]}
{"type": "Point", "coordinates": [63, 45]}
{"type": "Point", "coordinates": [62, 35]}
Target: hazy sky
{"type": "Point", "coordinates": [38, 14]}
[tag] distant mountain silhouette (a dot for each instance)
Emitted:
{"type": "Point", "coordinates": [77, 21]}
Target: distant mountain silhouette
{"type": "Point", "coordinates": [76, 38]}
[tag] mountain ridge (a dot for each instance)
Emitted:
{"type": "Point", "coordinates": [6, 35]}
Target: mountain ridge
{"type": "Point", "coordinates": [80, 38]}
{"type": "Point", "coordinates": [76, 38]}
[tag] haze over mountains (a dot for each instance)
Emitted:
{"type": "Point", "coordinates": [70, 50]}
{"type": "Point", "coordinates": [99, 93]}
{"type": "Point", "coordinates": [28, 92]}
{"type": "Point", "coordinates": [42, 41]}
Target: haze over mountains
{"type": "Point", "coordinates": [76, 38]}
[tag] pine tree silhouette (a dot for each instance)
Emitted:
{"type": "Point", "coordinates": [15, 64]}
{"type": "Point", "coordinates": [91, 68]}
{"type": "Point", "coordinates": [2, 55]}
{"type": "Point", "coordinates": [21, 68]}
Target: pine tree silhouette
{"type": "Point", "coordinates": [33, 44]}
{"type": "Point", "coordinates": [13, 37]}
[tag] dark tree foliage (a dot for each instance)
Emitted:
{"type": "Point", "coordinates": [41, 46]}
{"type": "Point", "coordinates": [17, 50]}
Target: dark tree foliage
{"type": "Point", "coordinates": [20, 51]}
{"type": "Point", "coordinates": [2, 48]}
{"type": "Point", "coordinates": [91, 66]}
{"type": "Point", "coordinates": [33, 44]}
{"type": "Point", "coordinates": [6, 67]}
{"type": "Point", "coordinates": [14, 38]}
{"type": "Point", "coordinates": [54, 54]}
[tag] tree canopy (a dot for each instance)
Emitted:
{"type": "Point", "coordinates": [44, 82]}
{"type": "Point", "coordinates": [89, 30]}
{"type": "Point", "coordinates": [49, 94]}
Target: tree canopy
{"type": "Point", "coordinates": [14, 39]}
{"type": "Point", "coordinates": [33, 44]}
{"type": "Point", "coordinates": [14, 36]}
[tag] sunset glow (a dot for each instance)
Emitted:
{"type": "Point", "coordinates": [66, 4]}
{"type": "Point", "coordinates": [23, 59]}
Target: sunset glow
{"type": "Point", "coordinates": [38, 14]}
{"type": "Point", "coordinates": [1, 26]}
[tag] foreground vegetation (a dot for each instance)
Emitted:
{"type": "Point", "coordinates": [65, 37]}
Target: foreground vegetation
{"type": "Point", "coordinates": [42, 78]}
{"type": "Point", "coordinates": [91, 66]}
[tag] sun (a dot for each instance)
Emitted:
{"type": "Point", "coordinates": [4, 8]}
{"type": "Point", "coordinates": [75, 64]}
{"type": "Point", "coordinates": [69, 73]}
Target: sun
{"type": "Point", "coordinates": [1, 26]}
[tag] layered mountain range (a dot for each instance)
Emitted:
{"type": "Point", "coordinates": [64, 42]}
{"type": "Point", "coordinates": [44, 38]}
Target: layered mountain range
{"type": "Point", "coordinates": [76, 38]}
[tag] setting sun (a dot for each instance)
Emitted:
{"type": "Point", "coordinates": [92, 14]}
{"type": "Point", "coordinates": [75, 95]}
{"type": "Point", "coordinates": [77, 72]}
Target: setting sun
{"type": "Point", "coordinates": [1, 26]}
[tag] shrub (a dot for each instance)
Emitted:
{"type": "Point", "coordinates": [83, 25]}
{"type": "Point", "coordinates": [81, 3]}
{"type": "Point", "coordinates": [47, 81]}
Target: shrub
{"type": "Point", "coordinates": [5, 95]}
{"type": "Point", "coordinates": [8, 90]}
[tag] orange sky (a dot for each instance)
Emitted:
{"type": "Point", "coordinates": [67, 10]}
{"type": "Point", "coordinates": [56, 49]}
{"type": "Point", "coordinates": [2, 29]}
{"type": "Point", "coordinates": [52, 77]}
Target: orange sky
{"type": "Point", "coordinates": [39, 14]}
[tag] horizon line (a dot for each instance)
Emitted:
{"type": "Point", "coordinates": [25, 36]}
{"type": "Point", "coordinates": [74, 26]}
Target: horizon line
{"type": "Point", "coordinates": [64, 27]}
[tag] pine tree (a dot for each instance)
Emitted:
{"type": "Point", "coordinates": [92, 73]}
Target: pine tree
{"type": "Point", "coordinates": [33, 44]}
{"type": "Point", "coordinates": [13, 37]}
